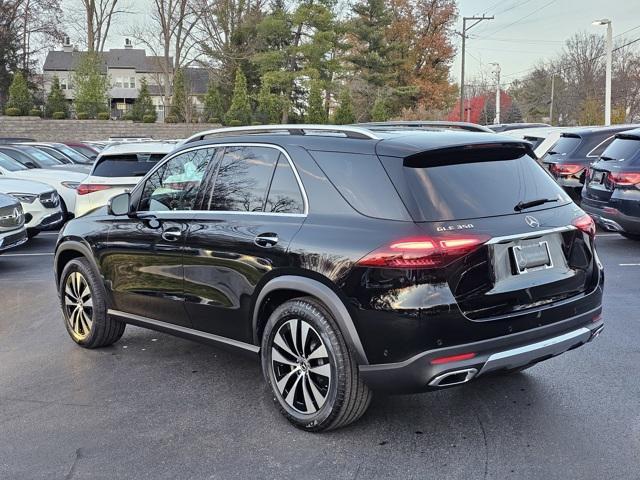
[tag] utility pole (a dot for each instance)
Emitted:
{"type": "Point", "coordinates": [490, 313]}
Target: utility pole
{"type": "Point", "coordinates": [496, 119]}
{"type": "Point", "coordinates": [607, 94]}
{"type": "Point", "coordinates": [465, 29]}
{"type": "Point", "coordinates": [553, 84]}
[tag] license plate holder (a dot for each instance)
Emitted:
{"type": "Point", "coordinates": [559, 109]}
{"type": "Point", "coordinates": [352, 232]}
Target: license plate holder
{"type": "Point", "coordinates": [531, 257]}
{"type": "Point", "coordinates": [597, 178]}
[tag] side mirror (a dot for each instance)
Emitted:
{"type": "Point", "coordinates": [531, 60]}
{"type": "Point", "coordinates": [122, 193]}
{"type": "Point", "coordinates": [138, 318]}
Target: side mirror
{"type": "Point", "coordinates": [120, 204]}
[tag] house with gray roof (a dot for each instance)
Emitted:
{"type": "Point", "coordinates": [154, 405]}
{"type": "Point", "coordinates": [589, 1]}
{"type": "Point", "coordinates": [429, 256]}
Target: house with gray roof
{"type": "Point", "coordinates": [125, 68]}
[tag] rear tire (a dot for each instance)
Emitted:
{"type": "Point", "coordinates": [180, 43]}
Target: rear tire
{"type": "Point", "coordinates": [309, 368]}
{"type": "Point", "coordinates": [631, 236]}
{"type": "Point", "coordinates": [82, 298]}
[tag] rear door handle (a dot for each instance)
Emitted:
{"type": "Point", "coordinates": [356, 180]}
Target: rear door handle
{"type": "Point", "coordinates": [172, 234]}
{"type": "Point", "coordinates": [266, 240]}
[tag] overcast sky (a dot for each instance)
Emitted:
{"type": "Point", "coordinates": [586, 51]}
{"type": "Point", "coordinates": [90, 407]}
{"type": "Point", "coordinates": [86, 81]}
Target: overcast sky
{"type": "Point", "coordinates": [525, 31]}
{"type": "Point", "coordinates": [522, 33]}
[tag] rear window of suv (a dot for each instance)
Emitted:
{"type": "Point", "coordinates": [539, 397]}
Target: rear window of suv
{"type": "Point", "coordinates": [623, 150]}
{"type": "Point", "coordinates": [126, 165]}
{"type": "Point", "coordinates": [564, 146]}
{"type": "Point", "coordinates": [464, 189]}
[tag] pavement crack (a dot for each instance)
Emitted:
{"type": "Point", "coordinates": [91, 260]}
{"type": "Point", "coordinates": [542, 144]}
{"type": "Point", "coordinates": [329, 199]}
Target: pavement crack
{"type": "Point", "coordinates": [72, 469]}
{"type": "Point", "coordinates": [486, 446]}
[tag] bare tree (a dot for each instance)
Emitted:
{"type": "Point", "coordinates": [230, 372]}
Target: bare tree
{"type": "Point", "coordinates": [95, 20]}
{"type": "Point", "coordinates": [169, 36]}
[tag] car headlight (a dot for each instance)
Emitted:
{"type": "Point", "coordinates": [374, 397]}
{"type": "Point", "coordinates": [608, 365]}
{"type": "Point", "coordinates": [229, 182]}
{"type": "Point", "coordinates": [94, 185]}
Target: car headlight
{"type": "Point", "coordinates": [24, 197]}
{"type": "Point", "coordinates": [73, 185]}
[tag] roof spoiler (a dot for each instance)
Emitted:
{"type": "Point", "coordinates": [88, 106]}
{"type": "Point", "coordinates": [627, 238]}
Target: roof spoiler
{"type": "Point", "coordinates": [459, 154]}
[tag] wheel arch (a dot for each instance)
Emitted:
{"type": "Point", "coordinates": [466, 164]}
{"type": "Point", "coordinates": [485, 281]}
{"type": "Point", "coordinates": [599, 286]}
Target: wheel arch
{"type": "Point", "coordinates": [69, 250]}
{"type": "Point", "coordinates": [286, 287]}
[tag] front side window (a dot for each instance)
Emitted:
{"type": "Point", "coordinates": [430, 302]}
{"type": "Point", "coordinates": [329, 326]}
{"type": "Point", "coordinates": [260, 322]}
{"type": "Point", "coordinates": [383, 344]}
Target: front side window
{"type": "Point", "coordinates": [176, 184]}
{"type": "Point", "coordinates": [242, 179]}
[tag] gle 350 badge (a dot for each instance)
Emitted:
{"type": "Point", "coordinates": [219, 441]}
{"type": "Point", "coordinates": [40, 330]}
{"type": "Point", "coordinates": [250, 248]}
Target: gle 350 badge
{"type": "Point", "coordinates": [460, 226]}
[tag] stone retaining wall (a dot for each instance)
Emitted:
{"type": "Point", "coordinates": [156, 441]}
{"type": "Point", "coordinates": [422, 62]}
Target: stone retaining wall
{"type": "Point", "coordinates": [75, 130]}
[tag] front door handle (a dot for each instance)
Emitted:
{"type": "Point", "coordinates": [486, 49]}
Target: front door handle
{"type": "Point", "coordinates": [266, 240]}
{"type": "Point", "coordinates": [172, 234]}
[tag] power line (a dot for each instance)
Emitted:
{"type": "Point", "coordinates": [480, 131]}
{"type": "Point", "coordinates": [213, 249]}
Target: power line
{"type": "Point", "coordinates": [521, 18]}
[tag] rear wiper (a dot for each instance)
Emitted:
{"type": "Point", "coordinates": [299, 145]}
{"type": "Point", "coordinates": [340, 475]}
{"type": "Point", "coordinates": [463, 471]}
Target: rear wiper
{"type": "Point", "coordinates": [551, 152]}
{"type": "Point", "coordinates": [602, 157]}
{"type": "Point", "coordinates": [533, 203]}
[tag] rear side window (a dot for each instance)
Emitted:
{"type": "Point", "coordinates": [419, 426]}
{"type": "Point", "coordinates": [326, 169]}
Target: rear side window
{"type": "Point", "coordinates": [623, 150]}
{"type": "Point", "coordinates": [601, 147]}
{"type": "Point", "coordinates": [126, 165]}
{"type": "Point", "coordinates": [473, 189]}
{"type": "Point", "coordinates": [284, 193]}
{"type": "Point", "coordinates": [363, 183]}
{"type": "Point", "coordinates": [242, 179]}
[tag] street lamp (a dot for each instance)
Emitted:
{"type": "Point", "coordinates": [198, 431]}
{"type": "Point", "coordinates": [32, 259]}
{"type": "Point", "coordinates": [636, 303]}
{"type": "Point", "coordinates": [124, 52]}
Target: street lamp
{"type": "Point", "coordinates": [607, 94]}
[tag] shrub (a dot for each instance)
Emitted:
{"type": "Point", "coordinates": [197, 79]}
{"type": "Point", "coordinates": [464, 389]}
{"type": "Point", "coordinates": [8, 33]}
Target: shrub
{"type": "Point", "coordinates": [103, 116]}
{"type": "Point", "coordinates": [128, 116]}
{"type": "Point", "coordinates": [256, 123]}
{"type": "Point", "coordinates": [235, 123]}
{"type": "Point", "coordinates": [149, 118]}
{"type": "Point", "coordinates": [19, 95]}
{"type": "Point", "coordinates": [59, 115]}
{"type": "Point", "coordinates": [12, 112]}
{"type": "Point", "coordinates": [34, 112]}
{"type": "Point", "coordinates": [83, 116]}
{"type": "Point", "coordinates": [56, 101]}
{"type": "Point", "coordinates": [214, 120]}
{"type": "Point", "coordinates": [171, 119]}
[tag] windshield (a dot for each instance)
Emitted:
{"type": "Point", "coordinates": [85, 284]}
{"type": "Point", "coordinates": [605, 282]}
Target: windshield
{"type": "Point", "coordinates": [43, 159]}
{"type": "Point", "coordinates": [622, 150]}
{"type": "Point", "coordinates": [458, 191]}
{"type": "Point", "coordinates": [10, 164]}
{"type": "Point", "coordinates": [127, 165]}
{"type": "Point", "coordinates": [72, 154]}
{"type": "Point", "coordinates": [564, 146]}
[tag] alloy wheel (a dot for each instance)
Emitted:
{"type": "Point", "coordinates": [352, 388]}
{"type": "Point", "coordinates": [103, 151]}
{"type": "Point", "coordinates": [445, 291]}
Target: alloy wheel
{"type": "Point", "coordinates": [78, 303]}
{"type": "Point", "coordinates": [301, 366]}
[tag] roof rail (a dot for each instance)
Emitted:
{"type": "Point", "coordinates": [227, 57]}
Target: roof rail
{"type": "Point", "coordinates": [301, 129]}
{"type": "Point", "coordinates": [421, 124]}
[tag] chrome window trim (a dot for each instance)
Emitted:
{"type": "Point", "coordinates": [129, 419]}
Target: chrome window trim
{"type": "Point", "coordinates": [531, 234]}
{"type": "Point", "coordinates": [168, 158]}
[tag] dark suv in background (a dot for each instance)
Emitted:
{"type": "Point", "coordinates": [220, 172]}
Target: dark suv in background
{"type": "Point", "coordinates": [611, 193]}
{"type": "Point", "coordinates": [570, 156]}
{"type": "Point", "coordinates": [349, 260]}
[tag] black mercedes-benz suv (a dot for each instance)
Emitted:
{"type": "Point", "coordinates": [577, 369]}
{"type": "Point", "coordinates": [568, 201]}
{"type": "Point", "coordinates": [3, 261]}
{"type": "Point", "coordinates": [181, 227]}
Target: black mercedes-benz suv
{"type": "Point", "coordinates": [349, 260]}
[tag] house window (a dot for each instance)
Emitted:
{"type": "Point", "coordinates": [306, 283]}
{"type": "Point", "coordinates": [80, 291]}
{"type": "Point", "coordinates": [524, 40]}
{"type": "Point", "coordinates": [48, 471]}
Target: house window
{"type": "Point", "coordinates": [63, 84]}
{"type": "Point", "coordinates": [119, 82]}
{"type": "Point", "coordinates": [132, 82]}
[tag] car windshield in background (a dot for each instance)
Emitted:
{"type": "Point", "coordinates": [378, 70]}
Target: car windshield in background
{"type": "Point", "coordinates": [623, 149]}
{"type": "Point", "coordinates": [10, 164]}
{"type": "Point", "coordinates": [126, 165]}
{"type": "Point", "coordinates": [468, 190]}
{"type": "Point", "coordinates": [72, 154]}
{"type": "Point", "coordinates": [43, 158]}
{"type": "Point", "coordinates": [565, 146]}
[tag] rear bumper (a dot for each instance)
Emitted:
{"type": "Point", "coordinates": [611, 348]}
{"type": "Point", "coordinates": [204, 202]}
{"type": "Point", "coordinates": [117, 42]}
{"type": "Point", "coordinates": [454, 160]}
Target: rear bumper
{"type": "Point", "coordinates": [503, 353]}
{"type": "Point", "coordinates": [611, 219]}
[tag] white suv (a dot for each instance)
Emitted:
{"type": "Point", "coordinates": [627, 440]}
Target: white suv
{"type": "Point", "coordinates": [12, 231]}
{"type": "Point", "coordinates": [117, 169]}
{"type": "Point", "coordinates": [40, 203]}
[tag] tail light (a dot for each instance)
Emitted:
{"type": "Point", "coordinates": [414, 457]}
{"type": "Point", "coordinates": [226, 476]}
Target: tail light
{"type": "Point", "coordinates": [85, 188]}
{"type": "Point", "coordinates": [423, 252]}
{"type": "Point", "coordinates": [452, 358]}
{"type": "Point", "coordinates": [586, 224]}
{"type": "Point", "coordinates": [565, 168]}
{"type": "Point", "coordinates": [624, 179]}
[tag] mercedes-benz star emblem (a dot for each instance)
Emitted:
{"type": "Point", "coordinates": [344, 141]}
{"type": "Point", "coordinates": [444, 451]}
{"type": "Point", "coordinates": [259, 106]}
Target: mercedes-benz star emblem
{"type": "Point", "coordinates": [533, 222]}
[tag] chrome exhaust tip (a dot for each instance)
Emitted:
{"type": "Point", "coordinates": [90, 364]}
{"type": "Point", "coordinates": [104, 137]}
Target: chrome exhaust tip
{"type": "Point", "coordinates": [595, 333]}
{"type": "Point", "coordinates": [455, 377]}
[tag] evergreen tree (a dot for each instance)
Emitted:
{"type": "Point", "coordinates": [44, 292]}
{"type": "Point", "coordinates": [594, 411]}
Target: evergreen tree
{"type": "Point", "coordinates": [56, 102]}
{"type": "Point", "coordinates": [344, 113]}
{"type": "Point", "coordinates": [91, 86]}
{"type": "Point", "coordinates": [269, 106]}
{"type": "Point", "coordinates": [316, 112]}
{"type": "Point", "coordinates": [143, 105]}
{"type": "Point", "coordinates": [379, 112]}
{"type": "Point", "coordinates": [240, 109]}
{"type": "Point", "coordinates": [19, 94]}
{"type": "Point", "coordinates": [213, 109]}
{"type": "Point", "coordinates": [179, 97]}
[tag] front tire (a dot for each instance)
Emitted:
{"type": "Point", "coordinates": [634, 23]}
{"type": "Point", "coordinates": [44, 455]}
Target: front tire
{"type": "Point", "coordinates": [309, 368]}
{"type": "Point", "coordinates": [84, 309]}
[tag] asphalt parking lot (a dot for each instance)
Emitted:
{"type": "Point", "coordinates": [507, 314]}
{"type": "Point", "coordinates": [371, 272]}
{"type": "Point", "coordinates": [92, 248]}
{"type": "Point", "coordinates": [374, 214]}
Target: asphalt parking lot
{"type": "Point", "coordinates": [155, 406]}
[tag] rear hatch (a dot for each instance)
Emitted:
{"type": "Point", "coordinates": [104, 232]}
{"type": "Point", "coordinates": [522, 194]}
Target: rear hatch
{"type": "Point", "coordinates": [531, 252]}
{"type": "Point", "coordinates": [618, 167]}
{"type": "Point", "coordinates": [122, 170]}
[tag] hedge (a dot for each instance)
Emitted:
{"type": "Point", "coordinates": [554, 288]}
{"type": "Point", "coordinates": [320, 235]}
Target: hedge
{"type": "Point", "coordinates": [59, 115]}
{"type": "Point", "coordinates": [103, 116]}
{"type": "Point", "coordinates": [12, 112]}
{"type": "Point", "coordinates": [149, 119]}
